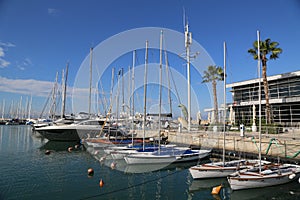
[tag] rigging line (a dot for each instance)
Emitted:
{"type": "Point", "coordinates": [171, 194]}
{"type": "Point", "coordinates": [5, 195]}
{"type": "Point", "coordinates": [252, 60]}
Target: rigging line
{"type": "Point", "coordinates": [178, 97]}
{"type": "Point", "coordinates": [133, 186]}
{"type": "Point", "coordinates": [228, 65]}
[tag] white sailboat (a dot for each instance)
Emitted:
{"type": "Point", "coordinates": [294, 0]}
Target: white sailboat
{"type": "Point", "coordinates": [221, 169]}
{"type": "Point", "coordinates": [268, 175]}
{"type": "Point", "coordinates": [165, 155]}
{"type": "Point", "coordinates": [117, 152]}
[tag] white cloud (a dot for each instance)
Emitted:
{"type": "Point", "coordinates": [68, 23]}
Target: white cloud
{"type": "Point", "coordinates": [2, 52]}
{"type": "Point", "coordinates": [3, 62]}
{"type": "Point", "coordinates": [24, 64]}
{"type": "Point", "coordinates": [25, 86]}
{"type": "Point", "coordinates": [34, 87]}
{"type": "Point", "coordinates": [53, 12]}
{"type": "Point", "coordinates": [7, 44]}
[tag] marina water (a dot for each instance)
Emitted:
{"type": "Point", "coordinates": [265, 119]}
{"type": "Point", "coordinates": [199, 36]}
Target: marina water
{"type": "Point", "coordinates": [28, 173]}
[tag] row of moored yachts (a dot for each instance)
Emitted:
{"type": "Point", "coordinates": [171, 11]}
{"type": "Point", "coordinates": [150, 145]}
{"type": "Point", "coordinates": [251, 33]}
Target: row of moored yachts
{"type": "Point", "coordinates": [121, 143]}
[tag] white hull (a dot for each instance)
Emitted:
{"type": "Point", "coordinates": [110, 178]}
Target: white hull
{"type": "Point", "coordinates": [149, 159]}
{"type": "Point", "coordinates": [248, 179]}
{"type": "Point", "coordinates": [120, 152]}
{"type": "Point", "coordinates": [118, 155]}
{"type": "Point", "coordinates": [201, 173]}
{"type": "Point", "coordinates": [217, 170]}
{"type": "Point", "coordinates": [167, 157]}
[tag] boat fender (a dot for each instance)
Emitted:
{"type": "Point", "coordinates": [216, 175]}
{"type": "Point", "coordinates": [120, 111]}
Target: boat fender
{"type": "Point", "coordinates": [47, 152]}
{"type": "Point", "coordinates": [90, 172]}
{"type": "Point", "coordinates": [70, 149]}
{"type": "Point", "coordinates": [292, 176]}
{"type": "Point", "coordinates": [101, 183]}
{"type": "Point", "coordinates": [113, 165]}
{"type": "Point", "coordinates": [178, 157]}
{"type": "Point", "coordinates": [102, 159]}
{"type": "Point", "coordinates": [299, 180]}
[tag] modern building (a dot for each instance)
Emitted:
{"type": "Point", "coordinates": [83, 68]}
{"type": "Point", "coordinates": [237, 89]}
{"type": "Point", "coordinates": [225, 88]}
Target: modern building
{"type": "Point", "coordinates": [284, 94]}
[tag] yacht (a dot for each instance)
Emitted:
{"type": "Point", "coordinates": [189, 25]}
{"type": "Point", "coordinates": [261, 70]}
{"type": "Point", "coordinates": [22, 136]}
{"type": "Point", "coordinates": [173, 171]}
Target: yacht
{"type": "Point", "coordinates": [75, 131]}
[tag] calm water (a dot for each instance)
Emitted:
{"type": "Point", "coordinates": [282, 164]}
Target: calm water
{"type": "Point", "coordinates": [28, 173]}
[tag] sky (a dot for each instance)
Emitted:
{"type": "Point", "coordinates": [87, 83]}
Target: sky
{"type": "Point", "coordinates": [39, 37]}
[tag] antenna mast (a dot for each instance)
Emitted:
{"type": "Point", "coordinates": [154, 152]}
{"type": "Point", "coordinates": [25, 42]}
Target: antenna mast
{"type": "Point", "coordinates": [188, 42]}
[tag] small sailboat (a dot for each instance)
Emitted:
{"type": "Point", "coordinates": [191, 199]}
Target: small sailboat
{"type": "Point", "coordinates": [220, 169]}
{"type": "Point", "coordinates": [267, 175]}
{"type": "Point", "coordinates": [166, 155]}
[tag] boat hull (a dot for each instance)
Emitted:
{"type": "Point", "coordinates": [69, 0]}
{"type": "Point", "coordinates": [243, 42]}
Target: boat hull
{"type": "Point", "coordinates": [244, 180]}
{"type": "Point", "coordinates": [204, 173]}
{"type": "Point", "coordinates": [59, 134]}
{"type": "Point", "coordinates": [166, 157]}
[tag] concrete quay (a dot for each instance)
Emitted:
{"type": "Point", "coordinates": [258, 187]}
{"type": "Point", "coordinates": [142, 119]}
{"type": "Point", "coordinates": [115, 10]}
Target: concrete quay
{"type": "Point", "coordinates": [285, 146]}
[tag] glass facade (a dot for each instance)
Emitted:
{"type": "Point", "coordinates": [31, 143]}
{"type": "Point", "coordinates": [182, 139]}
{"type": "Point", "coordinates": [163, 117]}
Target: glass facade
{"type": "Point", "coordinates": [284, 95]}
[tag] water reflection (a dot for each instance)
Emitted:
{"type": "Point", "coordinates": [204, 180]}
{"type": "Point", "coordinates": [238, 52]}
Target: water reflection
{"type": "Point", "coordinates": [285, 191]}
{"type": "Point", "coordinates": [61, 146]}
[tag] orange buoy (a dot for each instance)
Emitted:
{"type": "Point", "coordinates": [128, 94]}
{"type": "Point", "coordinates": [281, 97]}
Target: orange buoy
{"type": "Point", "coordinates": [216, 189]}
{"type": "Point", "coordinates": [90, 172]}
{"type": "Point", "coordinates": [101, 183]}
{"type": "Point", "coordinates": [70, 149]}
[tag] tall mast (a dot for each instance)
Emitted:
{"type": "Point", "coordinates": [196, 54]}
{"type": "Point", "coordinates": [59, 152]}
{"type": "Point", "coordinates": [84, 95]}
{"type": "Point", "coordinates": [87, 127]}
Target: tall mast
{"type": "Point", "coordinates": [63, 109]}
{"type": "Point", "coordinates": [169, 84]}
{"type": "Point", "coordinates": [3, 106]}
{"type": "Point", "coordinates": [224, 114]}
{"type": "Point", "coordinates": [132, 84]}
{"type": "Point", "coordinates": [188, 42]}
{"type": "Point", "coordinates": [91, 73]}
{"type": "Point", "coordinates": [111, 86]}
{"type": "Point", "coordinates": [118, 95]}
{"type": "Point", "coordinates": [123, 96]}
{"type": "Point", "coordinates": [160, 87]}
{"type": "Point", "coordinates": [145, 94]}
{"type": "Point", "coordinates": [29, 109]}
{"type": "Point", "coordinates": [129, 89]}
{"type": "Point", "coordinates": [259, 96]}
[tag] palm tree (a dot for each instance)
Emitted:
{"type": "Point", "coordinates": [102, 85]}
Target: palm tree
{"type": "Point", "coordinates": [270, 48]}
{"type": "Point", "coordinates": [214, 74]}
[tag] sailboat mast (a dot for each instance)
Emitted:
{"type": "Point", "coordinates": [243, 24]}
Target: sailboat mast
{"type": "Point", "coordinates": [132, 84]}
{"type": "Point", "coordinates": [160, 87]}
{"type": "Point", "coordinates": [145, 94]}
{"type": "Point", "coordinates": [259, 96]}
{"type": "Point", "coordinates": [63, 109]}
{"type": "Point", "coordinates": [188, 42]}
{"type": "Point", "coordinates": [3, 107]}
{"type": "Point", "coordinates": [129, 89]}
{"type": "Point", "coordinates": [91, 73]}
{"type": "Point", "coordinates": [169, 84]}
{"type": "Point", "coordinates": [112, 86]}
{"type": "Point", "coordinates": [123, 88]}
{"type": "Point", "coordinates": [224, 114]}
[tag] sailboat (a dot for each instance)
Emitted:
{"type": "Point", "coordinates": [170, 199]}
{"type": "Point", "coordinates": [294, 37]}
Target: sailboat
{"type": "Point", "coordinates": [221, 169]}
{"type": "Point", "coordinates": [268, 175]}
{"type": "Point", "coordinates": [148, 144]}
{"type": "Point", "coordinates": [165, 155]}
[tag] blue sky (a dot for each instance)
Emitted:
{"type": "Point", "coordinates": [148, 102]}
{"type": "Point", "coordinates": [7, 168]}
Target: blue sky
{"type": "Point", "coordinates": [38, 38]}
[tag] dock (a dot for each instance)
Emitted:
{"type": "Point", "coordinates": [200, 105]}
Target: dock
{"type": "Point", "coordinates": [283, 146]}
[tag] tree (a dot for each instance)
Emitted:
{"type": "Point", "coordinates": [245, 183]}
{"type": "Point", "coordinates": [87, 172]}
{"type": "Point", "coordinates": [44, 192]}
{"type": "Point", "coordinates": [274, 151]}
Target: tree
{"type": "Point", "coordinates": [214, 74]}
{"type": "Point", "coordinates": [268, 51]}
